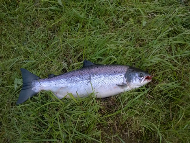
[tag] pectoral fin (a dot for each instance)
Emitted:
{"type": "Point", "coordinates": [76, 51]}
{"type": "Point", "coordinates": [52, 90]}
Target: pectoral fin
{"type": "Point", "coordinates": [122, 85]}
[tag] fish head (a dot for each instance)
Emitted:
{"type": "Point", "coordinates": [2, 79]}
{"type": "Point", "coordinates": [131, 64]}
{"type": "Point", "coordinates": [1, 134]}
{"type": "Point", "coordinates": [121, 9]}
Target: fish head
{"type": "Point", "coordinates": [136, 78]}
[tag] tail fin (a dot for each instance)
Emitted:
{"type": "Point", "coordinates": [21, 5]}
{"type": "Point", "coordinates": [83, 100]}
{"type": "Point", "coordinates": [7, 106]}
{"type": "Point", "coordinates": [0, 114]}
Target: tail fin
{"type": "Point", "coordinates": [26, 91]}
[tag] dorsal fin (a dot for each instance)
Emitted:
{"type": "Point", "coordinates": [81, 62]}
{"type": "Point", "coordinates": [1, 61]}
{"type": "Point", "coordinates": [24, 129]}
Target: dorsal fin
{"type": "Point", "coordinates": [51, 75]}
{"type": "Point", "coordinates": [87, 63]}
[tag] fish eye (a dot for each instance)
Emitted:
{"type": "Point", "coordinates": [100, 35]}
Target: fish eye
{"type": "Point", "coordinates": [141, 75]}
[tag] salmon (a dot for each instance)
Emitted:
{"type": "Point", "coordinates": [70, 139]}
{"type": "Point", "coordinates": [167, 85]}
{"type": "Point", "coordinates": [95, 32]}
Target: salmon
{"type": "Point", "coordinates": [102, 80]}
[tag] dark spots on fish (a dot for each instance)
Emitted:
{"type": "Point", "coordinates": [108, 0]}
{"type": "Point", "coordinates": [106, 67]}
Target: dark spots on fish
{"type": "Point", "coordinates": [83, 73]}
{"type": "Point", "coordinates": [89, 79]}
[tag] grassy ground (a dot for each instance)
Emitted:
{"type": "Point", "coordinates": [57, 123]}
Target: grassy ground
{"type": "Point", "coordinates": [56, 36]}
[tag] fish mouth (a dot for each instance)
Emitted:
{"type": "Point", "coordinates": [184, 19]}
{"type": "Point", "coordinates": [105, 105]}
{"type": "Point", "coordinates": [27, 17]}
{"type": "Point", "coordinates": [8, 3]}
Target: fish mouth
{"type": "Point", "coordinates": [148, 78]}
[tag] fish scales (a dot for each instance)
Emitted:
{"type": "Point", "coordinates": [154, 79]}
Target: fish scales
{"type": "Point", "coordinates": [102, 80]}
{"type": "Point", "coordinates": [98, 79]}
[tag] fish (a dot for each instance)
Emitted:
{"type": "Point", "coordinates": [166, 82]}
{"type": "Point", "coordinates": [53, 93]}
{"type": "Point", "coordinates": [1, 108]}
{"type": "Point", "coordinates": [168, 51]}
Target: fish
{"type": "Point", "coordinates": [102, 80]}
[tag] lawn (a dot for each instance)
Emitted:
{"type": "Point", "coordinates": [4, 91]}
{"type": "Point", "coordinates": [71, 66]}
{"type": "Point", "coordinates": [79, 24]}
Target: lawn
{"type": "Point", "coordinates": [54, 37]}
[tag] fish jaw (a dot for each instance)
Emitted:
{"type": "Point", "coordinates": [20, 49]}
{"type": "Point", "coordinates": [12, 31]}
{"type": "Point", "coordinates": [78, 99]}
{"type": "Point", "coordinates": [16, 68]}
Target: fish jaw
{"type": "Point", "coordinates": [148, 78]}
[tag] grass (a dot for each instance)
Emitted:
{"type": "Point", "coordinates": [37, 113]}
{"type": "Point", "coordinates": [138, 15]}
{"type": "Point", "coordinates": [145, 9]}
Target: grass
{"type": "Point", "coordinates": [56, 36]}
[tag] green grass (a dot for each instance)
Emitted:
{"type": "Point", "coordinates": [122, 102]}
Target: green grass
{"type": "Point", "coordinates": [48, 37]}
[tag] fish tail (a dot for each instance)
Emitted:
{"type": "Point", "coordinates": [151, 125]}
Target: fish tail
{"type": "Point", "coordinates": [26, 91]}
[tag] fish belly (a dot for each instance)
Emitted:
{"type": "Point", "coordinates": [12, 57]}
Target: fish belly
{"type": "Point", "coordinates": [101, 86]}
{"type": "Point", "coordinates": [83, 91]}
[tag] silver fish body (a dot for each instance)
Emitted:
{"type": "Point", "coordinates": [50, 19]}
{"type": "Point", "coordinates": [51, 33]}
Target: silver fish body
{"type": "Point", "coordinates": [102, 80]}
